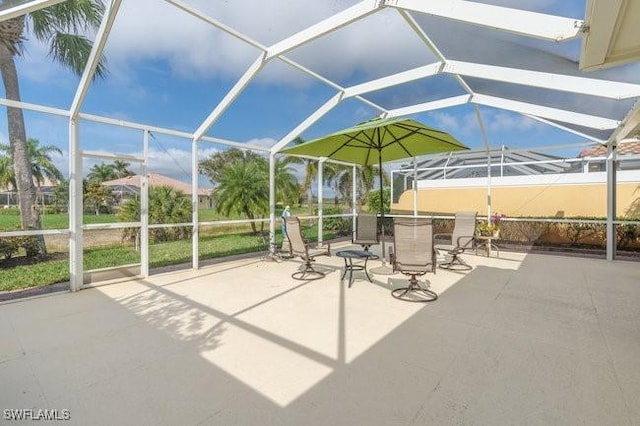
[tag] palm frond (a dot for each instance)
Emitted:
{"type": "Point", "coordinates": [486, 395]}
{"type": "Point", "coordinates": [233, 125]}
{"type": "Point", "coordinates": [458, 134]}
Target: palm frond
{"type": "Point", "coordinates": [73, 51]}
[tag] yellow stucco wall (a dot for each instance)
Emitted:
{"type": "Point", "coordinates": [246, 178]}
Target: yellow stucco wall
{"type": "Point", "coordinates": [518, 201]}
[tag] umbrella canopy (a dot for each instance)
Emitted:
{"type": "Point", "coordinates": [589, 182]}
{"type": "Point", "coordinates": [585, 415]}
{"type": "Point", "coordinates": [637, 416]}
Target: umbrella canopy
{"type": "Point", "coordinates": [377, 141]}
{"type": "Point", "coordinates": [380, 139]}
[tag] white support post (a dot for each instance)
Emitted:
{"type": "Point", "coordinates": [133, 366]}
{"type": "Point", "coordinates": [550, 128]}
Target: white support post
{"type": "Point", "coordinates": [415, 186]}
{"type": "Point", "coordinates": [354, 201]}
{"type": "Point", "coordinates": [76, 268]}
{"type": "Point", "coordinates": [611, 200]}
{"type": "Point", "coordinates": [486, 146]}
{"type": "Point", "coordinates": [195, 256]}
{"type": "Point", "coordinates": [144, 206]}
{"type": "Point", "coordinates": [272, 204]}
{"type": "Point", "coordinates": [320, 199]}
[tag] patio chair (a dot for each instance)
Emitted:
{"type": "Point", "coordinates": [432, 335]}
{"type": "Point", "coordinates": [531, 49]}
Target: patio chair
{"type": "Point", "coordinates": [461, 239]}
{"type": "Point", "coordinates": [300, 248]}
{"type": "Point", "coordinates": [413, 255]}
{"type": "Point", "coordinates": [366, 233]}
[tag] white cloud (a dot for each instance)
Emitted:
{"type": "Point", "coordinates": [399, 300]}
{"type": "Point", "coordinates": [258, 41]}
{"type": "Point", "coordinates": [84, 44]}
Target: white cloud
{"type": "Point", "coordinates": [445, 120]}
{"type": "Point", "coordinates": [266, 142]}
{"type": "Point", "coordinates": [502, 121]}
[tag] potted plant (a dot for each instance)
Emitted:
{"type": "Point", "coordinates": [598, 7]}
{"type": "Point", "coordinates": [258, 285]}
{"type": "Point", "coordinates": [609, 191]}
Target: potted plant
{"type": "Point", "coordinates": [491, 228]}
{"type": "Point", "coordinates": [496, 218]}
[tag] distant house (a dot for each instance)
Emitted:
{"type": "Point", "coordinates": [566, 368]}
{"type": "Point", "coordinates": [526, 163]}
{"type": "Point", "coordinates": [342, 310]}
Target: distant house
{"type": "Point", "coordinates": [594, 162]}
{"type": "Point", "coordinates": [129, 187]}
{"type": "Point", "coordinates": [44, 194]}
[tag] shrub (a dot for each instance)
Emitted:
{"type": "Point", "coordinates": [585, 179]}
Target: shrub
{"type": "Point", "coordinates": [166, 205]}
{"type": "Point", "coordinates": [339, 225]}
{"type": "Point", "coordinates": [9, 246]}
{"type": "Point", "coordinates": [627, 235]}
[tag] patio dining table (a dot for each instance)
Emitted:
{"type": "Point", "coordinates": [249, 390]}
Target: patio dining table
{"type": "Point", "coordinates": [349, 266]}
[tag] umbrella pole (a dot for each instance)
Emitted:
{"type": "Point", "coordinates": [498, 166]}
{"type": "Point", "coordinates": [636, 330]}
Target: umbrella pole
{"type": "Point", "coordinates": [383, 269]}
{"type": "Point", "coordinates": [381, 204]}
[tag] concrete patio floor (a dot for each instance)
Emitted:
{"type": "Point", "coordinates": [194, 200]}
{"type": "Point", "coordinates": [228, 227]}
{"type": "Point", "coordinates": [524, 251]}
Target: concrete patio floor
{"type": "Point", "coordinates": [524, 339]}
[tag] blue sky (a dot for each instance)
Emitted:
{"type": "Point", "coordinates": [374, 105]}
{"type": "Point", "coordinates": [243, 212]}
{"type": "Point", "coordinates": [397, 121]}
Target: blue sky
{"type": "Point", "coordinates": [170, 70]}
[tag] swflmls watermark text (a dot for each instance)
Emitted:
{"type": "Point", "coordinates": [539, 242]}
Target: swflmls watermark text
{"type": "Point", "coordinates": [36, 414]}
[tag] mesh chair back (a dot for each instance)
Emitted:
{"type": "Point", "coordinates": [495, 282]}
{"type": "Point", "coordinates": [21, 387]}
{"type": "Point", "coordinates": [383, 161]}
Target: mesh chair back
{"type": "Point", "coordinates": [464, 229]}
{"type": "Point", "coordinates": [413, 245]}
{"type": "Point", "coordinates": [366, 229]}
{"type": "Point", "coordinates": [294, 234]}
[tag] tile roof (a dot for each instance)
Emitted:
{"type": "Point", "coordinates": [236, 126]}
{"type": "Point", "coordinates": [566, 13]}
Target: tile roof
{"type": "Point", "coordinates": [158, 180]}
{"type": "Point", "coordinates": [623, 148]}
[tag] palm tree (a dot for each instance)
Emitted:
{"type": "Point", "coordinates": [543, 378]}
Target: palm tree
{"type": "Point", "coordinates": [310, 172]}
{"type": "Point", "coordinates": [7, 177]}
{"type": "Point", "coordinates": [102, 172]}
{"type": "Point", "coordinates": [42, 166]}
{"type": "Point", "coordinates": [331, 173]}
{"type": "Point", "coordinates": [367, 178]}
{"type": "Point", "coordinates": [242, 190]}
{"type": "Point", "coordinates": [58, 26]}
{"type": "Point", "coordinates": [121, 169]}
{"type": "Point", "coordinates": [287, 187]}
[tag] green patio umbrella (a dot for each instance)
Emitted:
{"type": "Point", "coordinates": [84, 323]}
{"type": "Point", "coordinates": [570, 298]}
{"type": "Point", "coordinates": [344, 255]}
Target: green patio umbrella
{"type": "Point", "coordinates": [377, 141]}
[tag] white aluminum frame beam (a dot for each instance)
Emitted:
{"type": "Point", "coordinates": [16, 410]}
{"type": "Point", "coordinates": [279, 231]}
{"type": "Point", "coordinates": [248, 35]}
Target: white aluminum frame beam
{"type": "Point", "coordinates": [630, 123]}
{"type": "Point", "coordinates": [94, 57]}
{"type": "Point", "coordinates": [228, 99]}
{"type": "Point", "coordinates": [585, 120]}
{"type": "Point", "coordinates": [23, 9]}
{"type": "Point", "coordinates": [522, 22]}
{"type": "Point", "coordinates": [430, 106]}
{"type": "Point", "coordinates": [214, 22]}
{"type": "Point", "coordinates": [394, 80]}
{"type": "Point", "coordinates": [308, 122]}
{"type": "Point", "coordinates": [326, 26]}
{"type": "Point", "coordinates": [566, 129]}
{"type": "Point", "coordinates": [34, 107]}
{"type": "Point", "coordinates": [110, 156]}
{"type": "Point", "coordinates": [564, 83]}
{"type": "Point", "coordinates": [431, 45]}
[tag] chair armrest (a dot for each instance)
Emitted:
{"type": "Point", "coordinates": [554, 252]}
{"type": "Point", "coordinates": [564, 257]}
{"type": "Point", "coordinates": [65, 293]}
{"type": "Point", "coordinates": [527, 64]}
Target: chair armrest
{"type": "Point", "coordinates": [442, 236]}
{"type": "Point", "coordinates": [323, 246]}
{"type": "Point", "coordinates": [468, 244]}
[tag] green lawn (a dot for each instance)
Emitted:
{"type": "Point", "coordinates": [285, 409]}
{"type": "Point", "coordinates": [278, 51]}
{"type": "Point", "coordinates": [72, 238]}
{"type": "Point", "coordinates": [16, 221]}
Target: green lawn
{"type": "Point", "coordinates": [54, 221]}
{"type": "Point", "coordinates": [161, 254]}
{"type": "Point", "coordinates": [61, 220]}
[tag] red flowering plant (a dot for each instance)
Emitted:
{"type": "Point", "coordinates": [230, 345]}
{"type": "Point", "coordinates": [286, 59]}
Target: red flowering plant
{"type": "Point", "coordinates": [495, 220]}
{"type": "Point", "coordinates": [491, 228]}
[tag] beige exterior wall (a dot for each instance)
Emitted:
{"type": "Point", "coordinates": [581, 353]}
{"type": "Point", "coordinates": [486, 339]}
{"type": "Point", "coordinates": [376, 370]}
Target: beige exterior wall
{"type": "Point", "coordinates": [532, 200]}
